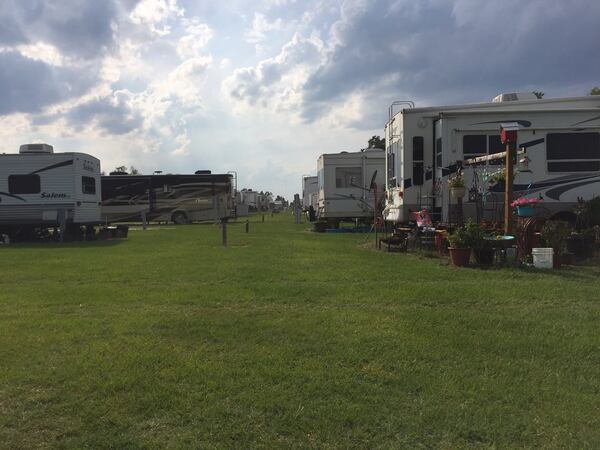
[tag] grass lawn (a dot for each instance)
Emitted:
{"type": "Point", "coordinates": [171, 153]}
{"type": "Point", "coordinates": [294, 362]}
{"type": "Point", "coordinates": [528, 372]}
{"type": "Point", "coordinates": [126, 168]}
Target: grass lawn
{"type": "Point", "coordinates": [287, 339]}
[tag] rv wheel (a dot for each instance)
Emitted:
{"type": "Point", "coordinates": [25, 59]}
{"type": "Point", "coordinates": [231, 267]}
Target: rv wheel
{"type": "Point", "coordinates": [179, 218]}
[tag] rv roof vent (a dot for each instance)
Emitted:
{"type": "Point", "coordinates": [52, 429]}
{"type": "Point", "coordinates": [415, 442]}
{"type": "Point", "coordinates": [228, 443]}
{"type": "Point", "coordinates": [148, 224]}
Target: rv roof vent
{"type": "Point", "coordinates": [514, 96]}
{"type": "Point", "coordinates": [202, 172]}
{"type": "Point", "coordinates": [36, 148]}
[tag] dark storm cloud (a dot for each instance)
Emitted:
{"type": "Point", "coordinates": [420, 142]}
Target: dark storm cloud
{"type": "Point", "coordinates": [81, 30]}
{"type": "Point", "coordinates": [111, 115]}
{"type": "Point", "coordinates": [27, 85]}
{"type": "Point", "coordinates": [78, 28]}
{"type": "Point", "coordinates": [456, 51]}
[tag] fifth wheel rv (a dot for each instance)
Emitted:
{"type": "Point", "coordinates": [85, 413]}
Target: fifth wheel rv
{"type": "Point", "coordinates": [43, 189]}
{"type": "Point", "coordinates": [424, 146]}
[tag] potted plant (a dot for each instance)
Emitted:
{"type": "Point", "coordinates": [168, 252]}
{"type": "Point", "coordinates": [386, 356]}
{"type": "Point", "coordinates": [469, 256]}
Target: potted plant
{"type": "Point", "coordinates": [526, 206]}
{"type": "Point", "coordinates": [461, 243]}
{"type": "Point", "coordinates": [555, 234]}
{"type": "Point", "coordinates": [456, 184]}
{"type": "Point", "coordinates": [498, 179]}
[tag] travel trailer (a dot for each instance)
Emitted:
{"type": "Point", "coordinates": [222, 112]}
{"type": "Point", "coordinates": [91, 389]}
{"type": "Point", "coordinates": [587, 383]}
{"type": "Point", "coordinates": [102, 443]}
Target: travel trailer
{"type": "Point", "coordinates": [43, 189]}
{"type": "Point", "coordinates": [167, 198]}
{"type": "Point", "coordinates": [310, 192]}
{"type": "Point", "coordinates": [344, 184]}
{"type": "Point", "coordinates": [250, 199]}
{"type": "Point", "coordinates": [426, 146]}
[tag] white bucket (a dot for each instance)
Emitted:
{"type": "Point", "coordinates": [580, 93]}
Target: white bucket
{"type": "Point", "coordinates": [543, 258]}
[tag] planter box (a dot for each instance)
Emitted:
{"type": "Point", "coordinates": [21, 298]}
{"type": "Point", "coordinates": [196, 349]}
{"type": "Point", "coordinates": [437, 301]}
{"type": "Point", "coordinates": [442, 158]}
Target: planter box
{"type": "Point", "coordinates": [525, 211]}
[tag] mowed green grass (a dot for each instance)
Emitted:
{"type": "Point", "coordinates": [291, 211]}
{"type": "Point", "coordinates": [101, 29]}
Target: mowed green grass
{"type": "Point", "coordinates": [290, 339]}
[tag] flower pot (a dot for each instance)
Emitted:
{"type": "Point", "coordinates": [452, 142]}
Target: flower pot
{"type": "Point", "coordinates": [525, 211]}
{"type": "Point", "coordinates": [458, 192]}
{"type": "Point", "coordinates": [484, 256]}
{"type": "Point", "coordinates": [460, 256]}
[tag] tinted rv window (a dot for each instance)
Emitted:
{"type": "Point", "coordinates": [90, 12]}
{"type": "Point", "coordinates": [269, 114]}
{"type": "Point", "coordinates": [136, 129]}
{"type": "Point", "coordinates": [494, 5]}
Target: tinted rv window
{"type": "Point", "coordinates": [573, 146]}
{"type": "Point", "coordinates": [438, 151]}
{"type": "Point", "coordinates": [418, 150]}
{"type": "Point", "coordinates": [347, 177]}
{"type": "Point", "coordinates": [24, 184]}
{"type": "Point", "coordinates": [573, 166]}
{"type": "Point", "coordinates": [566, 152]}
{"type": "Point", "coordinates": [88, 185]}
{"type": "Point", "coordinates": [495, 146]}
{"type": "Point", "coordinates": [474, 144]}
{"type": "Point", "coordinates": [418, 174]}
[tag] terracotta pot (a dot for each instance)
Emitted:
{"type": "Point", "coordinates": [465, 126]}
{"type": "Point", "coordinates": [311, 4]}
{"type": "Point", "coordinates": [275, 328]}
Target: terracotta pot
{"type": "Point", "coordinates": [460, 256]}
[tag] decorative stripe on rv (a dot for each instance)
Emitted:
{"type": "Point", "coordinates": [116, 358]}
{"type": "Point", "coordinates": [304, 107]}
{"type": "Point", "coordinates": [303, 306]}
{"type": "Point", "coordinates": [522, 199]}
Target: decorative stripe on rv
{"type": "Point", "coordinates": [54, 166]}
{"type": "Point", "coordinates": [13, 196]}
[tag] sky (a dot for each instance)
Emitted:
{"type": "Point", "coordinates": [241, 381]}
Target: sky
{"type": "Point", "coordinates": [264, 87]}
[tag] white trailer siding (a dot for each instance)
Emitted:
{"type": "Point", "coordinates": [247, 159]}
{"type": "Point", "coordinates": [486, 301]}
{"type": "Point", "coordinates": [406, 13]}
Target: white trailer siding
{"type": "Point", "coordinates": [344, 184]}
{"type": "Point", "coordinates": [444, 130]}
{"type": "Point", "coordinates": [55, 188]}
{"type": "Point", "coordinates": [310, 187]}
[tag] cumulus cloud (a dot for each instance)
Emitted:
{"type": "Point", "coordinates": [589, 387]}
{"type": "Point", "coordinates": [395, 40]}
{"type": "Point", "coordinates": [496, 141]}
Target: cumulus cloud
{"type": "Point", "coordinates": [193, 43]}
{"type": "Point", "coordinates": [261, 27]}
{"type": "Point", "coordinates": [434, 52]}
{"type": "Point", "coordinates": [154, 14]}
{"type": "Point", "coordinates": [277, 81]}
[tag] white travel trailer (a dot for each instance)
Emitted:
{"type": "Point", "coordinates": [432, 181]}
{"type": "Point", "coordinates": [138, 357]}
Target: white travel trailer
{"type": "Point", "coordinates": [310, 192]}
{"type": "Point", "coordinates": [424, 146]}
{"type": "Point", "coordinates": [40, 188]}
{"type": "Point", "coordinates": [344, 182]}
{"type": "Point", "coordinates": [250, 198]}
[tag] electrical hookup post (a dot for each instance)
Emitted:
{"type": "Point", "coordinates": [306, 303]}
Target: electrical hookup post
{"type": "Point", "coordinates": [508, 136]}
{"type": "Point", "coordinates": [297, 209]}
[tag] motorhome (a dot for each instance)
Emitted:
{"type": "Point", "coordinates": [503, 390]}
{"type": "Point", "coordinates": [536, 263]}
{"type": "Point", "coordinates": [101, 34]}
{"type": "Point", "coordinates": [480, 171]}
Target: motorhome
{"type": "Point", "coordinates": [346, 184]}
{"type": "Point", "coordinates": [43, 189]}
{"type": "Point", "coordinates": [310, 192]}
{"type": "Point", "coordinates": [560, 139]}
{"type": "Point", "coordinates": [167, 198]}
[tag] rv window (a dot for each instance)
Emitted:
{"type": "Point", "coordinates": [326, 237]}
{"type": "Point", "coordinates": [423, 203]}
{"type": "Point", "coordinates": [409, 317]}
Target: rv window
{"type": "Point", "coordinates": [347, 177]}
{"type": "Point", "coordinates": [88, 185]}
{"type": "Point", "coordinates": [574, 166]}
{"type": "Point", "coordinates": [418, 174]}
{"type": "Point", "coordinates": [438, 150]}
{"type": "Point", "coordinates": [474, 144]}
{"type": "Point", "coordinates": [24, 184]}
{"type": "Point", "coordinates": [573, 146]}
{"type": "Point", "coordinates": [418, 150]}
{"type": "Point", "coordinates": [495, 146]}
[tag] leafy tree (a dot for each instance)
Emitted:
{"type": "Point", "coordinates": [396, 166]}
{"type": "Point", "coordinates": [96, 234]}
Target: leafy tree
{"type": "Point", "coordinates": [122, 169]}
{"type": "Point", "coordinates": [134, 171]}
{"type": "Point", "coordinates": [538, 94]}
{"type": "Point", "coordinates": [595, 91]}
{"type": "Point", "coordinates": [377, 142]}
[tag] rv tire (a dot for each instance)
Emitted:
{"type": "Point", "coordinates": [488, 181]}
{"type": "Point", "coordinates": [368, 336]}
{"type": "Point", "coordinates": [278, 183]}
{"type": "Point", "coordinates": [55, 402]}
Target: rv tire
{"type": "Point", "coordinates": [179, 218]}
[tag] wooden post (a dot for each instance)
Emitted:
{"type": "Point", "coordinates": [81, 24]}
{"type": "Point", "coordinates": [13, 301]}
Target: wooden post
{"type": "Point", "coordinates": [247, 226]}
{"type": "Point", "coordinates": [224, 224]}
{"type": "Point", "coordinates": [263, 217]}
{"type": "Point", "coordinates": [508, 190]}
